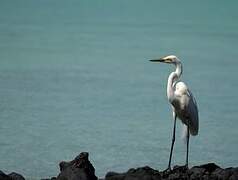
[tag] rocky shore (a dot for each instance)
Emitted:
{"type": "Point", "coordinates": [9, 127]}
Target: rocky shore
{"type": "Point", "coordinates": [81, 168]}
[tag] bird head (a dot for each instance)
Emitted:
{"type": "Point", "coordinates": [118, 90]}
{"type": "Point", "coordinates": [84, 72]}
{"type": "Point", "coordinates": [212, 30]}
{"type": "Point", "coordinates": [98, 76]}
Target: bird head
{"type": "Point", "coordinates": [171, 59]}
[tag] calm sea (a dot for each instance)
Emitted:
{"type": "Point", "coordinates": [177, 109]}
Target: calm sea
{"type": "Point", "coordinates": [75, 76]}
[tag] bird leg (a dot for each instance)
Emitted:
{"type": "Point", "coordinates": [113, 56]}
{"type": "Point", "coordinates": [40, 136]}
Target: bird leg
{"type": "Point", "coordinates": [173, 140]}
{"type": "Point", "coordinates": [188, 134]}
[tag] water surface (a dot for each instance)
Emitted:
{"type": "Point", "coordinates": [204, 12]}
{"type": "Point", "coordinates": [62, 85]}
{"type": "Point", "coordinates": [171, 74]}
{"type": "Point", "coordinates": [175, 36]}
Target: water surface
{"type": "Point", "coordinates": [75, 77]}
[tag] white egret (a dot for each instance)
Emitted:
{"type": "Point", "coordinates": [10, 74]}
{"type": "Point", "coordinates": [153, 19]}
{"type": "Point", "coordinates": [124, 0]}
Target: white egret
{"type": "Point", "coordinates": [183, 103]}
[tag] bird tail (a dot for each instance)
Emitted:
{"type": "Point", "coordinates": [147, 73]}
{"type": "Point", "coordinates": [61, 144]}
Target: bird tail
{"type": "Point", "coordinates": [185, 133]}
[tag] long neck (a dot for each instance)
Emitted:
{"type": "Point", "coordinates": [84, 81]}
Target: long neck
{"type": "Point", "coordinates": [179, 69]}
{"type": "Point", "coordinates": [173, 78]}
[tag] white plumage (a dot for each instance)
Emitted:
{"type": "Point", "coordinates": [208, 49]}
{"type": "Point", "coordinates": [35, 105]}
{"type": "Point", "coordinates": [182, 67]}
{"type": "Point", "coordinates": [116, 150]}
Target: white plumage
{"type": "Point", "coordinates": [182, 101]}
{"type": "Point", "coordinates": [185, 107]}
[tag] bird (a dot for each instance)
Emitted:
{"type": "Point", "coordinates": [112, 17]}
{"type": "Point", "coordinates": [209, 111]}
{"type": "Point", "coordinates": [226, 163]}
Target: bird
{"type": "Point", "coordinates": [183, 103]}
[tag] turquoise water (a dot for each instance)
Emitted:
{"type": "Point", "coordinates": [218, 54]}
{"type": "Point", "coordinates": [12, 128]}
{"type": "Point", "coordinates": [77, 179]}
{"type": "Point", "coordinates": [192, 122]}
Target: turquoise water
{"type": "Point", "coordinates": [75, 77]}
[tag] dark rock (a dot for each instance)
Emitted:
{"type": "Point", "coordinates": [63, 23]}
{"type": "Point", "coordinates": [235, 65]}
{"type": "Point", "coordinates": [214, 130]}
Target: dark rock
{"type": "Point", "coordinates": [3, 176]}
{"type": "Point", "coordinates": [177, 173]}
{"type": "Point", "coordinates": [11, 176]}
{"type": "Point", "coordinates": [78, 169]}
{"type": "Point", "coordinates": [16, 176]}
{"type": "Point", "coordinates": [222, 174]}
{"type": "Point", "coordinates": [115, 176]}
{"type": "Point", "coordinates": [234, 177]}
{"type": "Point", "coordinates": [196, 172]}
{"type": "Point", "coordinates": [143, 173]}
{"type": "Point", "coordinates": [210, 167]}
{"type": "Point", "coordinates": [81, 168]}
{"type": "Point", "coordinates": [208, 171]}
{"type": "Point", "coordinates": [53, 178]}
{"type": "Point", "coordinates": [234, 171]}
{"type": "Point", "coordinates": [175, 176]}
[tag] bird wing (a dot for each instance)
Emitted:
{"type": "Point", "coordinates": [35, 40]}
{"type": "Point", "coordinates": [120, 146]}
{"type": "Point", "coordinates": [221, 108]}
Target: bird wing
{"type": "Point", "coordinates": [192, 111]}
{"type": "Point", "coordinates": [185, 106]}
